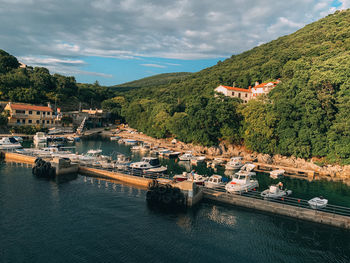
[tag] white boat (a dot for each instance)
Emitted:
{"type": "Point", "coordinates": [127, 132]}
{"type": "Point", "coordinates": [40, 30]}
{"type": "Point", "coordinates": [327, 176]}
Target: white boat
{"type": "Point", "coordinates": [93, 156]}
{"type": "Point", "coordinates": [115, 138]}
{"type": "Point", "coordinates": [277, 173]}
{"type": "Point", "coordinates": [318, 202]}
{"type": "Point", "coordinates": [214, 181]}
{"type": "Point", "coordinates": [241, 182]}
{"type": "Point", "coordinates": [235, 163]}
{"type": "Point", "coordinates": [40, 137]}
{"type": "Point", "coordinates": [186, 156]}
{"type": "Point", "coordinates": [9, 143]}
{"type": "Point", "coordinates": [276, 191]}
{"type": "Point", "coordinates": [149, 164]}
{"type": "Point", "coordinates": [196, 178]}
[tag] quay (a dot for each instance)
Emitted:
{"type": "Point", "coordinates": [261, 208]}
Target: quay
{"type": "Point", "coordinates": [289, 171]}
{"type": "Point", "coordinates": [332, 215]}
{"type": "Point", "coordinates": [284, 207]}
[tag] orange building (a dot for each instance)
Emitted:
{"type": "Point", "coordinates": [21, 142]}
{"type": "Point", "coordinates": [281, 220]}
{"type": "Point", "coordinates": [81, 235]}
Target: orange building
{"type": "Point", "coordinates": [26, 114]}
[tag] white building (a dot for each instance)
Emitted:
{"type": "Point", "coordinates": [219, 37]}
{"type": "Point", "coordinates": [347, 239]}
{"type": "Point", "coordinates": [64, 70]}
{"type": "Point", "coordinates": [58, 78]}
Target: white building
{"type": "Point", "coordinates": [244, 94]}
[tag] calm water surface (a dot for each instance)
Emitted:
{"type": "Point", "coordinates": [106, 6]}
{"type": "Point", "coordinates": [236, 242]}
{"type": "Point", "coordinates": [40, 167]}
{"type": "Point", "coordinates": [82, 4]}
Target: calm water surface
{"type": "Point", "coordinates": [82, 219]}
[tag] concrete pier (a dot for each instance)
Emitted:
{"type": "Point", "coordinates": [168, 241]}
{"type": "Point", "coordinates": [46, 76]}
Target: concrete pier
{"type": "Point", "coordinates": [135, 180]}
{"type": "Point", "coordinates": [316, 216]}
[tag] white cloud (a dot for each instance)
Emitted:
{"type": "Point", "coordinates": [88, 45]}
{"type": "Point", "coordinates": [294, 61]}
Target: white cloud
{"type": "Point", "coordinates": [182, 29]}
{"type": "Point", "coordinates": [153, 65]}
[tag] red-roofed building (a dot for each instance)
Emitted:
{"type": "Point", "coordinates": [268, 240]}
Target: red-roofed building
{"type": "Point", "coordinates": [26, 114]}
{"type": "Point", "coordinates": [247, 94]}
{"type": "Point", "coordinates": [263, 88]}
{"type": "Point", "coordinates": [244, 94]}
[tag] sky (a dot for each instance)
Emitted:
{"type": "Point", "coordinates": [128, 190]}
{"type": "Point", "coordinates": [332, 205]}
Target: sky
{"type": "Point", "coordinates": [118, 41]}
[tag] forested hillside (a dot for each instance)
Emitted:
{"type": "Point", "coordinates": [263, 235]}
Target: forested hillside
{"type": "Point", "coordinates": [38, 86]}
{"type": "Point", "coordinates": [156, 80]}
{"type": "Point", "coordinates": [306, 115]}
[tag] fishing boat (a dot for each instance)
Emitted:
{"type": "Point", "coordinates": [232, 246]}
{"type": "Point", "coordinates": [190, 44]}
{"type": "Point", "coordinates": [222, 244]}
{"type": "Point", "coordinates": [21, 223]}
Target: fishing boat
{"type": "Point", "coordinates": [40, 137]}
{"type": "Point", "coordinates": [149, 164]}
{"type": "Point", "coordinates": [276, 191]}
{"type": "Point", "coordinates": [318, 202]}
{"type": "Point", "coordinates": [9, 143]}
{"type": "Point", "coordinates": [235, 163]}
{"type": "Point", "coordinates": [122, 162]}
{"type": "Point", "coordinates": [214, 181]}
{"type": "Point", "coordinates": [275, 174]}
{"type": "Point", "coordinates": [241, 182]}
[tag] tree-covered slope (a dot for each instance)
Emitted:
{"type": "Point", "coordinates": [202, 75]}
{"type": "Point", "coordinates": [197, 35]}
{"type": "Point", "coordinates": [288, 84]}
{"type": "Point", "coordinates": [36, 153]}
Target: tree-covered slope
{"type": "Point", "coordinates": [156, 80]}
{"type": "Point", "coordinates": [38, 86]}
{"type": "Point", "coordinates": [304, 116]}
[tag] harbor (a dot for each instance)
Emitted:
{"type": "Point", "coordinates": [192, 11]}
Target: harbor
{"type": "Point", "coordinates": [294, 207]}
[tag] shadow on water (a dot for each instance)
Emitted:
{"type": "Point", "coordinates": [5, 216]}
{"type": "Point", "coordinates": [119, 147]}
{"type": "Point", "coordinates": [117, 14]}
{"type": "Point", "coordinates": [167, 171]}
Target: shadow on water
{"type": "Point", "coordinates": [61, 179]}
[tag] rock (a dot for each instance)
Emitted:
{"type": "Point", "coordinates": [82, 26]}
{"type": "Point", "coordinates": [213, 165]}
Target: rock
{"type": "Point", "coordinates": [264, 158]}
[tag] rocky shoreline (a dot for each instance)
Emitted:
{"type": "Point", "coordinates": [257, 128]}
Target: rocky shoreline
{"type": "Point", "coordinates": [327, 172]}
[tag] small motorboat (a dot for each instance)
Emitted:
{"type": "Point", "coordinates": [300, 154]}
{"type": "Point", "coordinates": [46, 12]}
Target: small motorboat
{"type": "Point", "coordinates": [318, 202]}
{"type": "Point", "coordinates": [197, 178]}
{"type": "Point", "coordinates": [9, 143]}
{"type": "Point", "coordinates": [214, 181]}
{"type": "Point", "coordinates": [18, 138]}
{"type": "Point", "coordinates": [235, 163]}
{"type": "Point", "coordinates": [241, 182]}
{"type": "Point", "coordinates": [149, 164]}
{"type": "Point", "coordinates": [275, 174]}
{"type": "Point", "coordinates": [216, 162]}
{"type": "Point", "coordinates": [115, 138]}
{"type": "Point", "coordinates": [276, 191]}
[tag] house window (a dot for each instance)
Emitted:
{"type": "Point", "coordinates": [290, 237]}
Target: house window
{"type": "Point", "coordinates": [23, 121]}
{"type": "Point", "coordinates": [48, 122]}
{"type": "Point", "coordinates": [29, 121]}
{"type": "Point", "coordinates": [20, 111]}
{"type": "Point", "coordinates": [30, 112]}
{"type": "Point", "coordinates": [233, 94]}
{"type": "Point", "coordinates": [37, 121]}
{"type": "Point", "coordinates": [246, 95]}
{"type": "Point", "coordinates": [239, 95]}
{"type": "Point", "coordinates": [38, 113]}
{"type": "Point", "coordinates": [18, 121]}
{"type": "Point", "coordinates": [43, 122]}
{"type": "Point", "coordinates": [43, 112]}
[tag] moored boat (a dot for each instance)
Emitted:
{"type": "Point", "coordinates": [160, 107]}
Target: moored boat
{"type": "Point", "coordinates": [235, 163]}
{"type": "Point", "coordinates": [9, 143]}
{"type": "Point", "coordinates": [276, 191]}
{"type": "Point", "coordinates": [318, 202]}
{"type": "Point", "coordinates": [241, 182]}
{"type": "Point", "coordinates": [40, 137]}
{"type": "Point", "coordinates": [214, 181]}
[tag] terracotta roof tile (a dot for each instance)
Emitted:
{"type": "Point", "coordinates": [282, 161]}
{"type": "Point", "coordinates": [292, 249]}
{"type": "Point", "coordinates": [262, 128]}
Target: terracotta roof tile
{"type": "Point", "coordinates": [29, 107]}
{"type": "Point", "coordinates": [237, 89]}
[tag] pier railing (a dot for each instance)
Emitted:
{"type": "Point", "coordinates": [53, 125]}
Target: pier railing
{"type": "Point", "coordinates": [287, 200]}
